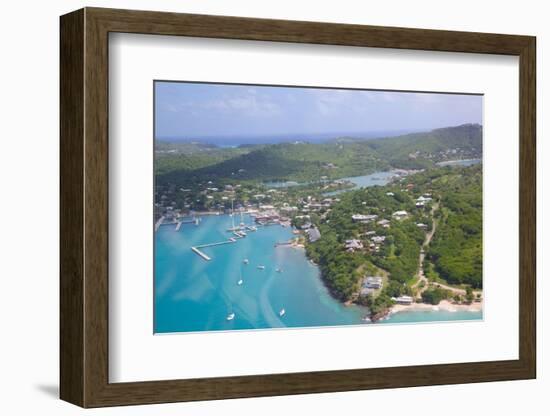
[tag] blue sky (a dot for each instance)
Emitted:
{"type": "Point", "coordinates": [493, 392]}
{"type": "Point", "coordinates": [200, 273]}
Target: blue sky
{"type": "Point", "coordinates": [193, 110]}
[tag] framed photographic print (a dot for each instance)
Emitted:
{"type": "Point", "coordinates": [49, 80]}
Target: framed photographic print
{"type": "Point", "coordinates": [260, 207]}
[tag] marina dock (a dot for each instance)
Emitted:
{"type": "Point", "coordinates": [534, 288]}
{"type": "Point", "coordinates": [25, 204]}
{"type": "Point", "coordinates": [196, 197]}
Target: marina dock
{"type": "Point", "coordinates": [178, 226]}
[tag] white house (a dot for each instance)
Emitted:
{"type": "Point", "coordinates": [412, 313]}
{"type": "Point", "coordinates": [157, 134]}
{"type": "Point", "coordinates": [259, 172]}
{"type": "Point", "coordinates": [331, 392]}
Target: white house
{"type": "Point", "coordinates": [363, 218]}
{"type": "Point", "coordinates": [353, 244]}
{"type": "Point", "coordinates": [404, 300]}
{"type": "Point", "coordinates": [400, 215]}
{"type": "Point", "coordinates": [372, 282]}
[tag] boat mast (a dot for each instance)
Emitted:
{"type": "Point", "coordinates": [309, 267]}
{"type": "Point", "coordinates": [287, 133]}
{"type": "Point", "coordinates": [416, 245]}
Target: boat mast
{"type": "Point", "coordinates": [232, 215]}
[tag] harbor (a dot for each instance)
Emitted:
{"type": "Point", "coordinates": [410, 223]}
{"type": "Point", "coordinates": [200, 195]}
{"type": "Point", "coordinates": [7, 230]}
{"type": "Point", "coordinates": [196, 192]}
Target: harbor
{"type": "Point", "coordinates": [279, 286]}
{"type": "Point", "coordinates": [194, 278]}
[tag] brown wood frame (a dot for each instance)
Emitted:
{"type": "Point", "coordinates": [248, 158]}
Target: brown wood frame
{"type": "Point", "coordinates": [84, 207]}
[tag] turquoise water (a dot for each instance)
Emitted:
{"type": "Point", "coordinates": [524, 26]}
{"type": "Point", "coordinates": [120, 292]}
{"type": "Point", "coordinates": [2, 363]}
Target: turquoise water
{"type": "Point", "coordinates": [432, 316]}
{"type": "Point", "coordinates": [192, 294]}
{"type": "Point", "coordinates": [460, 163]}
{"type": "Point", "coordinates": [364, 181]}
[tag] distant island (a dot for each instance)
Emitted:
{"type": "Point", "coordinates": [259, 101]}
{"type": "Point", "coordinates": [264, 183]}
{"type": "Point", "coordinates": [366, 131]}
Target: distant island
{"type": "Point", "coordinates": [393, 224]}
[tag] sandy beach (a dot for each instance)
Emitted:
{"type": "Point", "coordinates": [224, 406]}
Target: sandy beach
{"type": "Point", "coordinates": [443, 305]}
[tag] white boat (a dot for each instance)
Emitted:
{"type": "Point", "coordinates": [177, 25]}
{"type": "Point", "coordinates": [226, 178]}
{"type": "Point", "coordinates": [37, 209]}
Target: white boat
{"type": "Point", "coordinates": [240, 282]}
{"type": "Point", "coordinates": [278, 270]}
{"type": "Point", "coordinates": [245, 261]}
{"type": "Point", "coordinates": [261, 267]}
{"type": "Point", "coordinates": [282, 312]}
{"type": "Point", "coordinates": [230, 317]}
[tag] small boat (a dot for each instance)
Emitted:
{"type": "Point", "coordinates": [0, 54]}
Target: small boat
{"type": "Point", "coordinates": [245, 261]}
{"type": "Point", "coordinates": [230, 317]}
{"type": "Point", "coordinates": [261, 267]}
{"type": "Point", "coordinates": [240, 282]}
{"type": "Point", "coordinates": [282, 312]}
{"type": "Point", "coordinates": [279, 270]}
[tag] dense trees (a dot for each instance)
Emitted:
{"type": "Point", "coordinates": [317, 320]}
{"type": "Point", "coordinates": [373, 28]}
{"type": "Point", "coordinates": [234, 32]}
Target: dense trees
{"type": "Point", "coordinates": [434, 295]}
{"type": "Point", "coordinates": [456, 249]}
{"type": "Point", "coordinates": [455, 252]}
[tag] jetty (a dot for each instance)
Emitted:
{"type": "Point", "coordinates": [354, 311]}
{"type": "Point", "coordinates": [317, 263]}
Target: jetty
{"type": "Point", "coordinates": [204, 256]}
{"type": "Point", "coordinates": [283, 243]}
{"type": "Point", "coordinates": [158, 223]}
{"type": "Point", "coordinates": [191, 221]}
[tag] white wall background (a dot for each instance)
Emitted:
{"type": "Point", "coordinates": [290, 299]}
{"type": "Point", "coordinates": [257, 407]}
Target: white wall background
{"type": "Point", "coordinates": [29, 210]}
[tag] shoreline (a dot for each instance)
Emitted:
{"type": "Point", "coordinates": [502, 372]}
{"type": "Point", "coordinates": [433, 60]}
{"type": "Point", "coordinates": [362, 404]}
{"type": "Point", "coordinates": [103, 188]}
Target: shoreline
{"type": "Point", "coordinates": [444, 305]}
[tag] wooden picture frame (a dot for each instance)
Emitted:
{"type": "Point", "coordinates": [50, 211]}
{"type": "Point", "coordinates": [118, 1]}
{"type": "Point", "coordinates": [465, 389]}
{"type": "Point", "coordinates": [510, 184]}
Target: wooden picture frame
{"type": "Point", "coordinates": [84, 207]}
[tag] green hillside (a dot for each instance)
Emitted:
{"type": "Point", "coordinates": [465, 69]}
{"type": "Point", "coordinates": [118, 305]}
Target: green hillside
{"type": "Point", "coordinates": [419, 150]}
{"type": "Point", "coordinates": [182, 163]}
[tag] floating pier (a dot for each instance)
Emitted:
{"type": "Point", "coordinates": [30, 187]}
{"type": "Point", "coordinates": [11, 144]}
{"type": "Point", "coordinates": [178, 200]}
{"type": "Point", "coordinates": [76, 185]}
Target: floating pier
{"type": "Point", "coordinates": [178, 226]}
{"type": "Point", "coordinates": [200, 253]}
{"type": "Point", "coordinates": [231, 240]}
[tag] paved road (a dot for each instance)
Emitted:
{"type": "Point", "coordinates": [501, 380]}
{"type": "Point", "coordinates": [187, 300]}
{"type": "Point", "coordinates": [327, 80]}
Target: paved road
{"type": "Point", "coordinates": [427, 240]}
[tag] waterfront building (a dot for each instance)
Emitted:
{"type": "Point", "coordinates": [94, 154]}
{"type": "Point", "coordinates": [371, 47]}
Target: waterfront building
{"type": "Point", "coordinates": [313, 234]}
{"type": "Point", "coordinates": [404, 300]}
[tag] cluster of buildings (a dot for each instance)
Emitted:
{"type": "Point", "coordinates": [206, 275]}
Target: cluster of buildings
{"type": "Point", "coordinates": [353, 245]}
{"type": "Point", "coordinates": [447, 154]}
